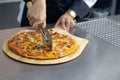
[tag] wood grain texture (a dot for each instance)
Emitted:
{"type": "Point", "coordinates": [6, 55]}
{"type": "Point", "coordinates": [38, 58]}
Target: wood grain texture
{"type": "Point", "coordinates": [82, 43]}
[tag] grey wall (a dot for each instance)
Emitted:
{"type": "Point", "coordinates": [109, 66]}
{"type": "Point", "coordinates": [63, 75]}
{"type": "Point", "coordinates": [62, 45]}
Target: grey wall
{"type": "Point", "coordinates": [8, 15]}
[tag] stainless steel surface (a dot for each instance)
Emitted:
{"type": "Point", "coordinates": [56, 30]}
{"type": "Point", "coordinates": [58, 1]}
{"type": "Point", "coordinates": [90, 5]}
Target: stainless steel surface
{"type": "Point", "coordinates": [103, 28]}
{"type": "Point", "coordinates": [115, 18]}
{"type": "Point", "coordinates": [99, 61]}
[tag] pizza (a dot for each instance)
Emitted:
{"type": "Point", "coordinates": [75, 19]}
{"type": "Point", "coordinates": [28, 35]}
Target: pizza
{"type": "Point", "coordinates": [28, 44]}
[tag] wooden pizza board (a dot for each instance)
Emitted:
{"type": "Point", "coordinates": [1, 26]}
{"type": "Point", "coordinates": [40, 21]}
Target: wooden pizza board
{"type": "Point", "coordinates": [82, 43]}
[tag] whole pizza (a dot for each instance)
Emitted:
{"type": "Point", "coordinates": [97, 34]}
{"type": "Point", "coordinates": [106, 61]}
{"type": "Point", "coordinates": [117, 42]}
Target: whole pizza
{"type": "Point", "coordinates": [28, 44]}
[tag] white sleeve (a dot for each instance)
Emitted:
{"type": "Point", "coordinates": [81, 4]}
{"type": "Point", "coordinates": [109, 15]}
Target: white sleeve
{"type": "Point", "coordinates": [21, 7]}
{"type": "Point", "coordinates": [90, 3]}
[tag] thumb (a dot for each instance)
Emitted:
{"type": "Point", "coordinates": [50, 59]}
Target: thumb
{"type": "Point", "coordinates": [44, 24]}
{"type": "Point", "coordinates": [35, 25]}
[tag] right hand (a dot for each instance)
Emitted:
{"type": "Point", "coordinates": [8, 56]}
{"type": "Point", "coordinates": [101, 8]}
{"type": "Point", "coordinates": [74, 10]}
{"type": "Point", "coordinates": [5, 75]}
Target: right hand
{"type": "Point", "coordinates": [37, 14]}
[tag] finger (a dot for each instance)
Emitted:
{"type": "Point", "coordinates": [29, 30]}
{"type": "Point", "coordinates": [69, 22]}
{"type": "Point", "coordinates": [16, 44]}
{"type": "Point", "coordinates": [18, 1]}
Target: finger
{"type": "Point", "coordinates": [68, 24]}
{"type": "Point", "coordinates": [63, 24]}
{"type": "Point", "coordinates": [30, 19]}
{"type": "Point", "coordinates": [72, 23]}
{"type": "Point", "coordinates": [35, 25]}
{"type": "Point", "coordinates": [29, 15]}
{"type": "Point", "coordinates": [57, 23]}
{"type": "Point", "coordinates": [32, 22]}
{"type": "Point", "coordinates": [44, 24]}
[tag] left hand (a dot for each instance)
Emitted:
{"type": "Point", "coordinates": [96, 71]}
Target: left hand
{"type": "Point", "coordinates": [66, 21]}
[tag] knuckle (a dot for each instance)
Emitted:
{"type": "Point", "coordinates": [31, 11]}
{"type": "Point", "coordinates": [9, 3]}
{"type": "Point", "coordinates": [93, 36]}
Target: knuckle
{"type": "Point", "coordinates": [68, 21]}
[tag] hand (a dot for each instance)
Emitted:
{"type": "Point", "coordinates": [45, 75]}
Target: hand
{"type": "Point", "coordinates": [66, 21]}
{"type": "Point", "coordinates": [37, 14]}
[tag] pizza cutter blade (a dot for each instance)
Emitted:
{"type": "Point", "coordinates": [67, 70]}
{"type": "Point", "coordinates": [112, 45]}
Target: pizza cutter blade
{"type": "Point", "coordinates": [47, 40]}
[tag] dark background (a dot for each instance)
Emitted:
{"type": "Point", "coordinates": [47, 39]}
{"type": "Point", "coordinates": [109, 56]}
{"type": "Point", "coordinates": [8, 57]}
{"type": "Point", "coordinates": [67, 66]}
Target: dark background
{"type": "Point", "coordinates": [9, 12]}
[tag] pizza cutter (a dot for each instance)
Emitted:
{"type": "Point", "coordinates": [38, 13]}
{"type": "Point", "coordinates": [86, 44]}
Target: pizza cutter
{"type": "Point", "coordinates": [46, 35]}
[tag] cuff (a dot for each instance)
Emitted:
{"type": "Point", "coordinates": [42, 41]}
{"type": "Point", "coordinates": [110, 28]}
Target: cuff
{"type": "Point", "coordinates": [80, 7]}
